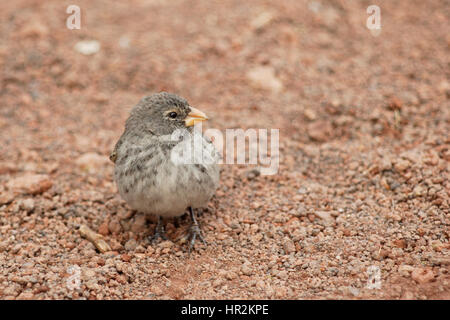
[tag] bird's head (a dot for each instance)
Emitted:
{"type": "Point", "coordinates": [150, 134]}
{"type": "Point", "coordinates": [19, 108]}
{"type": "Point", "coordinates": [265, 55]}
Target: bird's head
{"type": "Point", "coordinates": [162, 113]}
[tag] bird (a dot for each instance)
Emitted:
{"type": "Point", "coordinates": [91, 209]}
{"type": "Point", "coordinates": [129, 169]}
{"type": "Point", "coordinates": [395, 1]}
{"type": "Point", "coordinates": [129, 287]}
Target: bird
{"type": "Point", "coordinates": [154, 169]}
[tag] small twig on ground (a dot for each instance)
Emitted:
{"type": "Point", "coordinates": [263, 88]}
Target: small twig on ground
{"type": "Point", "coordinates": [96, 239]}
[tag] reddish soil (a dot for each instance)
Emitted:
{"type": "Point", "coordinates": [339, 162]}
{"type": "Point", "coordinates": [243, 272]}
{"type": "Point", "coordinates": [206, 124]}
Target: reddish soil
{"type": "Point", "coordinates": [364, 123]}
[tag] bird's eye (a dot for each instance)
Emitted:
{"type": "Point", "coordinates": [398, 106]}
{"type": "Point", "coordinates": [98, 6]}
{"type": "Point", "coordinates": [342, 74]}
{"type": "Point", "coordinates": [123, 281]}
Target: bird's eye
{"type": "Point", "coordinates": [173, 115]}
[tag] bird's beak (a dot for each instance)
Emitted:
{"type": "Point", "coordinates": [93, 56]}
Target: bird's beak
{"type": "Point", "coordinates": [194, 116]}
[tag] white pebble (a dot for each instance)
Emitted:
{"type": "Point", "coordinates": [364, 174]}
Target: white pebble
{"type": "Point", "coordinates": [88, 47]}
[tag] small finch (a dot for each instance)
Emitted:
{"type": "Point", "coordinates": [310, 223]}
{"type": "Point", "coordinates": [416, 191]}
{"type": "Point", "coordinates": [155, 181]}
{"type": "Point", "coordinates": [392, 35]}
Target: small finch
{"type": "Point", "coordinates": [154, 168]}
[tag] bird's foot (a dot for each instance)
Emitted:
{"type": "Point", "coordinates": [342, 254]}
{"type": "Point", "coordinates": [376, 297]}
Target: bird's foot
{"type": "Point", "coordinates": [194, 234]}
{"type": "Point", "coordinates": [160, 233]}
{"type": "Point", "coordinates": [156, 236]}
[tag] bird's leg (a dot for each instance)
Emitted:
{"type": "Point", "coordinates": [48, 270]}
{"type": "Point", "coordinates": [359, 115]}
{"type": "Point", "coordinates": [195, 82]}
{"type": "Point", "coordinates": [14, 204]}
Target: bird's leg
{"type": "Point", "coordinates": [159, 231]}
{"type": "Point", "coordinates": [194, 231]}
{"type": "Point", "coordinates": [176, 222]}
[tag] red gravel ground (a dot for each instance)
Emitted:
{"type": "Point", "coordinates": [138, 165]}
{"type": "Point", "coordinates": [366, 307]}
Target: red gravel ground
{"type": "Point", "coordinates": [364, 149]}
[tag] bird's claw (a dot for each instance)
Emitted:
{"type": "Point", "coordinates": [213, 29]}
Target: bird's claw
{"type": "Point", "coordinates": [194, 233]}
{"type": "Point", "coordinates": [156, 236]}
{"type": "Point", "coordinates": [160, 233]}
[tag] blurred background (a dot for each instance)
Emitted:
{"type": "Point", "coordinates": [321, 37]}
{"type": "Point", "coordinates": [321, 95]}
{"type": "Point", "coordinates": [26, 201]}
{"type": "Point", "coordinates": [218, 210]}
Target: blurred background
{"type": "Point", "coordinates": [363, 118]}
{"type": "Point", "coordinates": [312, 68]}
